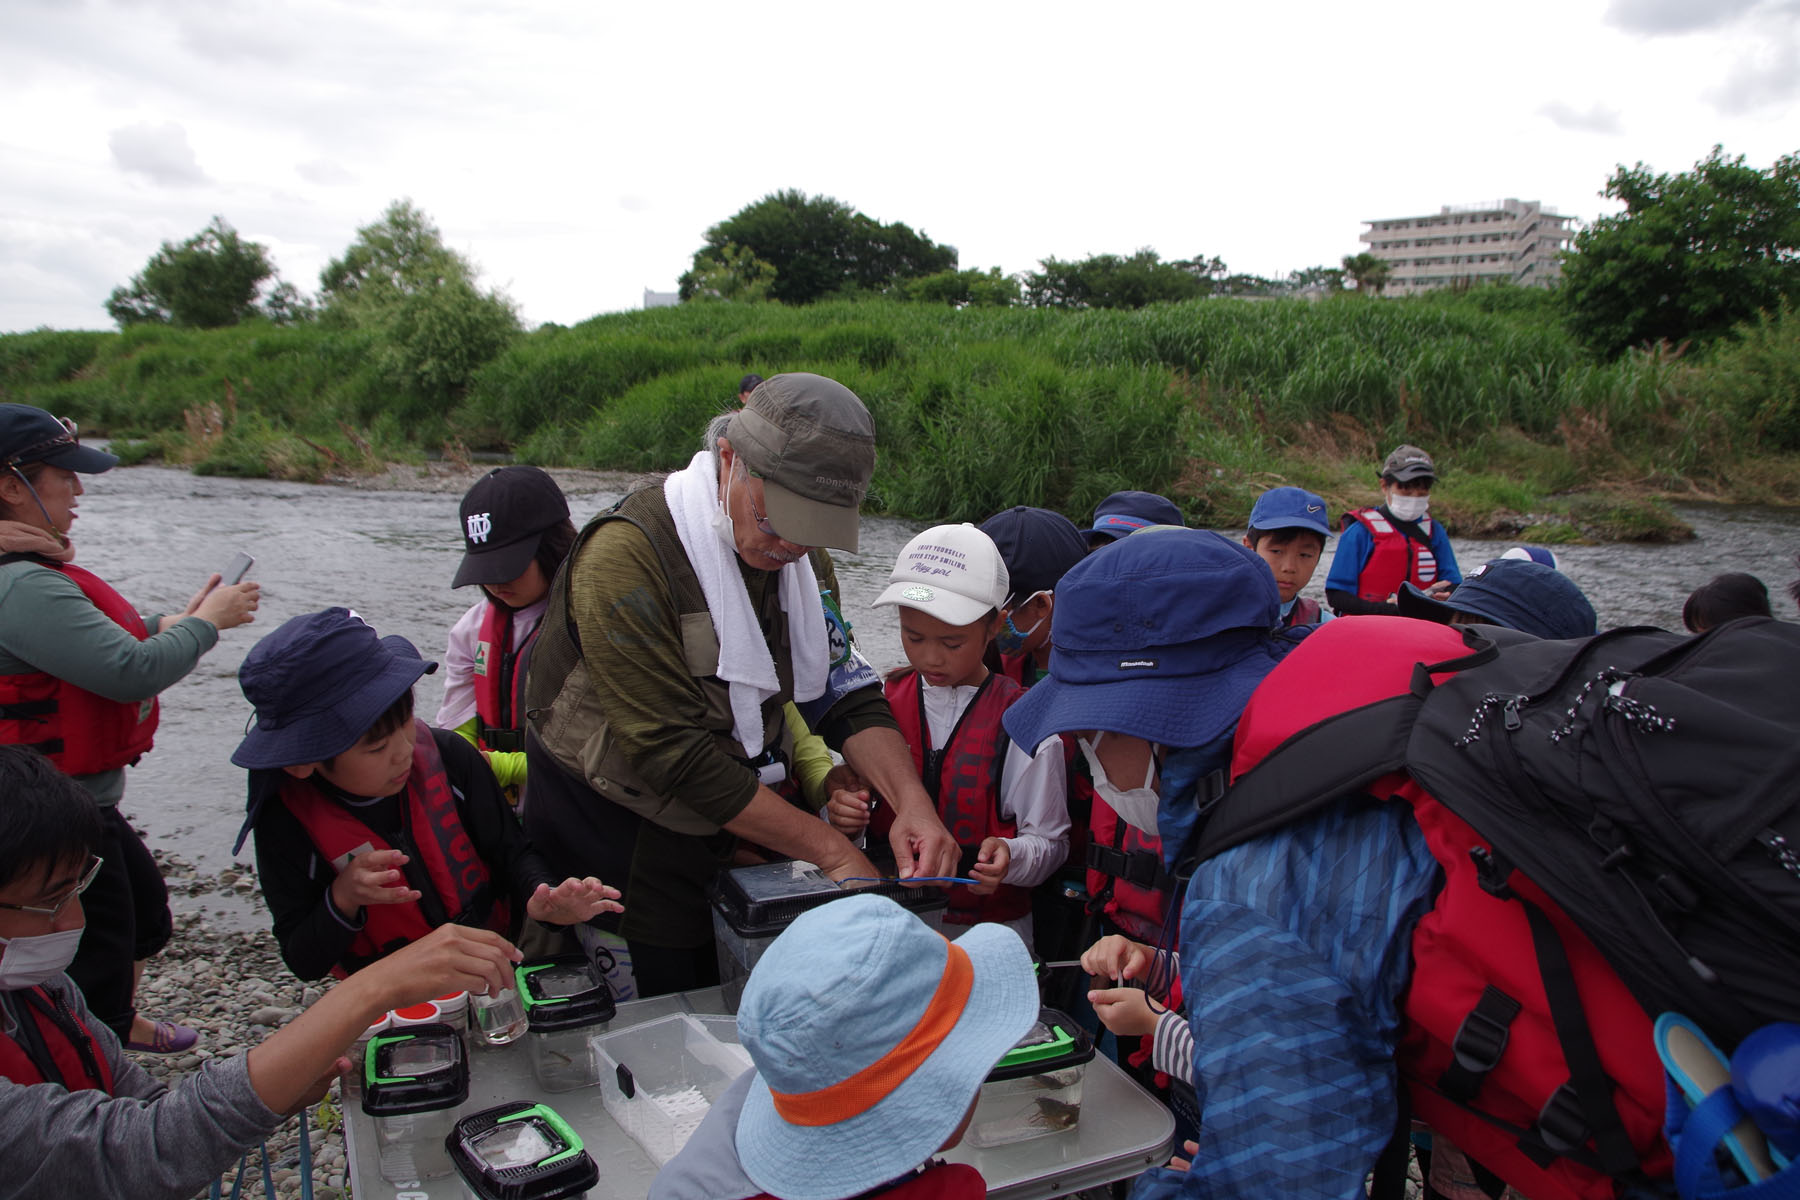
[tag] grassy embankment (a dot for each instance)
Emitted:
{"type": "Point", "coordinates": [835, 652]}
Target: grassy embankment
{"type": "Point", "coordinates": [1210, 402]}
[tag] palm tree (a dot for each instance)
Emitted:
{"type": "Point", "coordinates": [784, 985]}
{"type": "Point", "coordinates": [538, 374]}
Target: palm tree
{"type": "Point", "coordinates": [1370, 274]}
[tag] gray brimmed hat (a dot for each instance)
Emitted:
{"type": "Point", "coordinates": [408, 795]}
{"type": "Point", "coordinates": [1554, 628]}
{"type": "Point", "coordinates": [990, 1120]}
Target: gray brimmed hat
{"type": "Point", "coordinates": [1407, 463]}
{"type": "Point", "coordinates": [812, 443]}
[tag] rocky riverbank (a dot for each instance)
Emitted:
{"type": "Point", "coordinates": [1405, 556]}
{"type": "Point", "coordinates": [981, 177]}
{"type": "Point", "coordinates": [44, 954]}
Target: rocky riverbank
{"type": "Point", "coordinates": [231, 985]}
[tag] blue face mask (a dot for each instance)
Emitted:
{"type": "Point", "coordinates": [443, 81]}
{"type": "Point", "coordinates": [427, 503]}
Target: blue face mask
{"type": "Point", "coordinates": [1010, 641]}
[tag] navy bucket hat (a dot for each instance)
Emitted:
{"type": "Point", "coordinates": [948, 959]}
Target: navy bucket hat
{"type": "Point", "coordinates": [1513, 592]}
{"type": "Point", "coordinates": [319, 683]}
{"type": "Point", "coordinates": [1163, 637]}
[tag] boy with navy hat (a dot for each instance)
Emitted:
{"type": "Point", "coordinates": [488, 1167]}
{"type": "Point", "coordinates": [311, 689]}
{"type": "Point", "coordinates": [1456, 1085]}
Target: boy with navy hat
{"type": "Point", "coordinates": [1127, 512]}
{"type": "Point", "coordinates": [1392, 543]}
{"type": "Point", "coordinates": [1288, 528]}
{"type": "Point", "coordinates": [871, 1036]}
{"type": "Point", "coordinates": [371, 827]}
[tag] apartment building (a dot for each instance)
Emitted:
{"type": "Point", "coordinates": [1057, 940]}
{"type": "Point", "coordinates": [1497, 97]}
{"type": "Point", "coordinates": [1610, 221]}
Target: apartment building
{"type": "Point", "coordinates": [1513, 240]}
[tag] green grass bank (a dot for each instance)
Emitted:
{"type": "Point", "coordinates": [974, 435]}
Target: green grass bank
{"type": "Point", "coordinates": [1209, 401]}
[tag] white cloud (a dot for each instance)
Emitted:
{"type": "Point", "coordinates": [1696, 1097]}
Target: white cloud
{"type": "Point", "coordinates": [159, 152]}
{"type": "Point", "coordinates": [1675, 16]}
{"type": "Point", "coordinates": [325, 173]}
{"type": "Point", "coordinates": [1596, 118]}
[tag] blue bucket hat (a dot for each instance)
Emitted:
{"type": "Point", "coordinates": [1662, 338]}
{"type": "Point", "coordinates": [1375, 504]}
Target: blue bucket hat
{"type": "Point", "coordinates": [1127, 512]}
{"type": "Point", "coordinates": [1163, 637]}
{"type": "Point", "coordinates": [1290, 508]}
{"type": "Point", "coordinates": [857, 982]}
{"type": "Point", "coordinates": [318, 683]}
{"type": "Point", "coordinates": [1518, 594]}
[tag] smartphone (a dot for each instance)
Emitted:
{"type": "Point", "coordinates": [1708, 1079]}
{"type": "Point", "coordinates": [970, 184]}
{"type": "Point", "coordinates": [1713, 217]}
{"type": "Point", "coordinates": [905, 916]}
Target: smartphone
{"type": "Point", "coordinates": [240, 567]}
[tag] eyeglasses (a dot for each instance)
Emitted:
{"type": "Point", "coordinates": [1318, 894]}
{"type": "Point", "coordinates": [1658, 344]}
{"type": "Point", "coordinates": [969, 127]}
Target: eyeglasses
{"type": "Point", "coordinates": [86, 881]}
{"type": "Point", "coordinates": [761, 518]}
{"type": "Point", "coordinates": [32, 453]}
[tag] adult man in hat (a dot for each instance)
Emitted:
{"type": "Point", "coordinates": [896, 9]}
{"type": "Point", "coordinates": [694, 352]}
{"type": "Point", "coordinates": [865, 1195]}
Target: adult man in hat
{"type": "Point", "coordinates": [684, 620]}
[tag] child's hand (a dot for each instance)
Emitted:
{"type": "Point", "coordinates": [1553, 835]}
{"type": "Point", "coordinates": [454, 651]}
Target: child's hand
{"type": "Point", "coordinates": [1117, 957]}
{"type": "Point", "coordinates": [848, 812]}
{"type": "Point", "coordinates": [1181, 1164]}
{"type": "Point", "coordinates": [572, 901]}
{"type": "Point", "coordinates": [372, 878]}
{"type": "Point", "coordinates": [451, 958]}
{"type": "Point", "coordinates": [990, 866]}
{"type": "Point", "coordinates": [1440, 589]}
{"type": "Point", "coordinates": [1125, 1010]}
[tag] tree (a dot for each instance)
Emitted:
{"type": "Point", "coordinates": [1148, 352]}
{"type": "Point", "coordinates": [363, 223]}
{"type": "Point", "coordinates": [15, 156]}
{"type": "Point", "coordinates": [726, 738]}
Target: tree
{"type": "Point", "coordinates": [1108, 281]}
{"type": "Point", "coordinates": [399, 279]}
{"type": "Point", "coordinates": [733, 273]}
{"type": "Point", "coordinates": [210, 280]}
{"type": "Point", "coordinates": [1691, 256]}
{"type": "Point", "coordinates": [963, 289]}
{"type": "Point", "coordinates": [818, 247]}
{"type": "Point", "coordinates": [1330, 280]}
{"type": "Point", "coordinates": [1369, 273]}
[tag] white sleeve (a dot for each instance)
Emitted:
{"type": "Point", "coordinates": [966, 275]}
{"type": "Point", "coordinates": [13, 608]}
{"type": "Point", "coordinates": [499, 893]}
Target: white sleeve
{"type": "Point", "coordinates": [459, 669]}
{"type": "Point", "coordinates": [1034, 794]}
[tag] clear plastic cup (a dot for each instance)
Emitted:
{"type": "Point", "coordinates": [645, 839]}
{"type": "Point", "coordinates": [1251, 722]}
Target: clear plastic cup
{"type": "Point", "coordinates": [499, 1018]}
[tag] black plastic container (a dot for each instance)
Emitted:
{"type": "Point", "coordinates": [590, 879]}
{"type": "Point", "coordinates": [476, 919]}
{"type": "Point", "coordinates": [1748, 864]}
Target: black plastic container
{"type": "Point", "coordinates": [414, 1079]}
{"type": "Point", "coordinates": [753, 905]}
{"type": "Point", "coordinates": [567, 1001]}
{"type": "Point", "coordinates": [520, 1151]}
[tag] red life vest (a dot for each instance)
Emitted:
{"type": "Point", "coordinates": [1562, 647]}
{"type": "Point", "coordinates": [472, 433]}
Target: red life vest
{"type": "Point", "coordinates": [1125, 878]}
{"type": "Point", "coordinates": [1479, 1050]}
{"type": "Point", "coordinates": [964, 779]}
{"type": "Point", "coordinates": [444, 863]}
{"type": "Point", "coordinates": [81, 732]}
{"type": "Point", "coordinates": [51, 1044]}
{"type": "Point", "coordinates": [945, 1181]}
{"type": "Point", "coordinates": [499, 679]}
{"type": "Point", "coordinates": [1305, 612]}
{"type": "Point", "coordinates": [1394, 558]}
{"type": "Point", "coordinates": [1017, 667]}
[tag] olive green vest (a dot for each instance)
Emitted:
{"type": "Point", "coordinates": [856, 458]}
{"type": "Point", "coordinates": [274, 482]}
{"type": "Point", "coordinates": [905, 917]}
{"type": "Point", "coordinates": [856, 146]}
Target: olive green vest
{"type": "Point", "coordinates": [565, 713]}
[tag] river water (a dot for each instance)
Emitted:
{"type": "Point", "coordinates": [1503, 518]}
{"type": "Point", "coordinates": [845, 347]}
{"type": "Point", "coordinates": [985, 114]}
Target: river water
{"type": "Point", "coordinates": [155, 533]}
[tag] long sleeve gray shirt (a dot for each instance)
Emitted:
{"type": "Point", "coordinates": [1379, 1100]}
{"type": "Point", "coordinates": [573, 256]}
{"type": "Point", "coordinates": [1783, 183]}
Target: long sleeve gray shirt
{"type": "Point", "coordinates": [48, 624]}
{"type": "Point", "coordinates": [143, 1142]}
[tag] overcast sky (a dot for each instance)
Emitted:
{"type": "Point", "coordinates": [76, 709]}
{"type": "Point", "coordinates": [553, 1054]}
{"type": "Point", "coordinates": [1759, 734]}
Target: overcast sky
{"type": "Point", "coordinates": [577, 152]}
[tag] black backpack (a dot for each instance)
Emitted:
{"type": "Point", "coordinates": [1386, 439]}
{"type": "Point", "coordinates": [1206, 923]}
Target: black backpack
{"type": "Point", "coordinates": [1648, 781]}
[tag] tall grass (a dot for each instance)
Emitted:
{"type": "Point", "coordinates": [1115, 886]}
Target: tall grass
{"type": "Point", "coordinates": [977, 409]}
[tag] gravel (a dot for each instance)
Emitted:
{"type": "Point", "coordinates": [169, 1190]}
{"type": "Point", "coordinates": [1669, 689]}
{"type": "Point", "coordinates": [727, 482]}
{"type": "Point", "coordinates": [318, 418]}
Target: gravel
{"type": "Point", "coordinates": [231, 985]}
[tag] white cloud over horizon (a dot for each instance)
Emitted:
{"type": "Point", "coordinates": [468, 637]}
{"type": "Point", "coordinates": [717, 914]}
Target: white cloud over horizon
{"type": "Point", "coordinates": [578, 154]}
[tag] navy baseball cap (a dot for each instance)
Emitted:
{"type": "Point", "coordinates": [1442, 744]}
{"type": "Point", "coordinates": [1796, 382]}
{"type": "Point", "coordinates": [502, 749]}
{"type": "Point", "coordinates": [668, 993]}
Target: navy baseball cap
{"type": "Point", "coordinates": [1290, 508]}
{"type": "Point", "coordinates": [30, 435]}
{"type": "Point", "coordinates": [1126, 512]}
{"type": "Point", "coordinates": [1163, 637]}
{"type": "Point", "coordinates": [1518, 594]}
{"type": "Point", "coordinates": [319, 683]}
{"type": "Point", "coordinates": [504, 516]}
{"type": "Point", "coordinates": [1039, 547]}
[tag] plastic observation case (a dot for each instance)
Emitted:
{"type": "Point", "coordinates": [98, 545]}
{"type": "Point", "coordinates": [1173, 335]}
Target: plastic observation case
{"type": "Point", "coordinates": [414, 1080]}
{"type": "Point", "coordinates": [566, 1001]}
{"type": "Point", "coordinates": [663, 1076]}
{"type": "Point", "coordinates": [1035, 1089]}
{"type": "Point", "coordinates": [520, 1151]}
{"type": "Point", "coordinates": [751, 906]}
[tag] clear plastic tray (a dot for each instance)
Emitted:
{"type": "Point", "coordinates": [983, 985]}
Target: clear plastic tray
{"type": "Point", "coordinates": [673, 1070]}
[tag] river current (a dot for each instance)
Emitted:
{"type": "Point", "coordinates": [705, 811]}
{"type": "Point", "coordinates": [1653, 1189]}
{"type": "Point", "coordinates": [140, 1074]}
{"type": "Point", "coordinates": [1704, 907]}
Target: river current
{"type": "Point", "coordinates": [156, 532]}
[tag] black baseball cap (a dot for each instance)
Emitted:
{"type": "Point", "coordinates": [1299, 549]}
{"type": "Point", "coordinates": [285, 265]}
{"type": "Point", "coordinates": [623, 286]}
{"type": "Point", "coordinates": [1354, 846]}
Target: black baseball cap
{"type": "Point", "coordinates": [504, 517]}
{"type": "Point", "coordinates": [30, 435]}
{"type": "Point", "coordinates": [1038, 546]}
{"type": "Point", "coordinates": [748, 383]}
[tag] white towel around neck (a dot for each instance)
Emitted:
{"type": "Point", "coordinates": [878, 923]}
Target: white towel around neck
{"type": "Point", "coordinates": [744, 659]}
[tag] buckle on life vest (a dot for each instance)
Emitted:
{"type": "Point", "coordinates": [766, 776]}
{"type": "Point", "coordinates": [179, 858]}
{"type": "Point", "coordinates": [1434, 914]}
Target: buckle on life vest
{"type": "Point", "coordinates": [1479, 1042]}
{"type": "Point", "coordinates": [1560, 1124]}
{"type": "Point", "coordinates": [503, 741]}
{"type": "Point", "coordinates": [1139, 867]}
{"type": "Point", "coordinates": [1491, 872]}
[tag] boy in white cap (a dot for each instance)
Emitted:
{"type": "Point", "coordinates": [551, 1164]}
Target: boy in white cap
{"type": "Point", "coordinates": [1006, 806]}
{"type": "Point", "coordinates": [871, 1036]}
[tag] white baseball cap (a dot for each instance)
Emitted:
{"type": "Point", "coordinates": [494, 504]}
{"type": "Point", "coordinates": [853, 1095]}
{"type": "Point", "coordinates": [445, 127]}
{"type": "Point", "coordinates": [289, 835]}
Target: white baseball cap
{"type": "Point", "coordinates": [951, 572]}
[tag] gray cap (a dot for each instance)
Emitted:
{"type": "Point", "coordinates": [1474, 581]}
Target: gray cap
{"type": "Point", "coordinates": [812, 443]}
{"type": "Point", "coordinates": [1408, 463]}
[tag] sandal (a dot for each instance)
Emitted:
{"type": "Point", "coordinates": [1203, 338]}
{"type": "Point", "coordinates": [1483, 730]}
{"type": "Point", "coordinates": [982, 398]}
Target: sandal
{"type": "Point", "coordinates": [168, 1038]}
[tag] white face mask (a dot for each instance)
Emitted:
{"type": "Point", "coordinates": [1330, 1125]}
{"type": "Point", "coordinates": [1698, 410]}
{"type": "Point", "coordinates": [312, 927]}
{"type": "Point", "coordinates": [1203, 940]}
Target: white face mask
{"type": "Point", "coordinates": [1135, 806]}
{"type": "Point", "coordinates": [29, 961]}
{"type": "Point", "coordinates": [1408, 508]}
